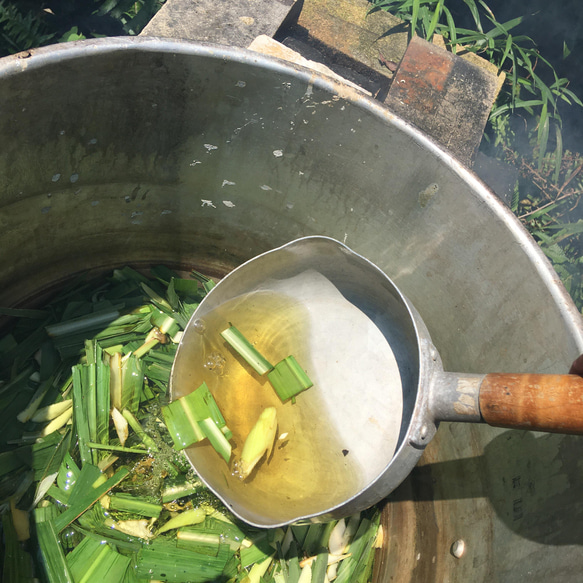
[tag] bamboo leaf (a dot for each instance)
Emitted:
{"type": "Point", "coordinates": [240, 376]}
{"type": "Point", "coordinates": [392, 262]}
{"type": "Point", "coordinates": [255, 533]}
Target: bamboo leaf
{"type": "Point", "coordinates": [475, 13]}
{"type": "Point", "coordinates": [506, 52]}
{"type": "Point", "coordinates": [414, 17]}
{"type": "Point", "coordinates": [451, 28]}
{"type": "Point", "coordinates": [558, 154]}
{"type": "Point", "coordinates": [434, 20]}
{"type": "Point", "coordinates": [543, 134]}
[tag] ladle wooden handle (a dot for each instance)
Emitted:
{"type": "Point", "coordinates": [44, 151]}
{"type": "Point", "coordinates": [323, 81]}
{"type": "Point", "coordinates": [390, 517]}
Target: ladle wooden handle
{"type": "Point", "coordinates": [539, 402]}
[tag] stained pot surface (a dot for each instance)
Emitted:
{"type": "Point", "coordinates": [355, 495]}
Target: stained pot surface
{"type": "Point", "coordinates": [142, 151]}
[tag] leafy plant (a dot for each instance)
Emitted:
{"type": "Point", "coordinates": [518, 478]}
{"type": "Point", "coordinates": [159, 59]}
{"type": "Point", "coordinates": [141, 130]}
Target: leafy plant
{"type": "Point", "coordinates": [133, 14]}
{"type": "Point", "coordinates": [23, 27]}
{"type": "Point", "coordinates": [20, 31]}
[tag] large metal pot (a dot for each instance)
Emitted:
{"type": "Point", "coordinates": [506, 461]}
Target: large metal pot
{"type": "Point", "coordinates": [142, 151]}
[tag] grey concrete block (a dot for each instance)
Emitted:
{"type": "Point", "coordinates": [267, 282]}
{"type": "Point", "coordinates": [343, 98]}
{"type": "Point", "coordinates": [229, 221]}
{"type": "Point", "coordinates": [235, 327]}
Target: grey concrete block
{"type": "Point", "coordinates": [227, 22]}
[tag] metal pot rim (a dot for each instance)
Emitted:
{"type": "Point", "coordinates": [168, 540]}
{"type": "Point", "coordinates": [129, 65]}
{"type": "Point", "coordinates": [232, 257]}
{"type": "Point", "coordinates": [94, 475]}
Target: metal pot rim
{"type": "Point", "coordinates": [60, 53]}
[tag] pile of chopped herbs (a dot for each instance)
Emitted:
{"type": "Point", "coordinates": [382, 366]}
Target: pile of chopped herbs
{"type": "Point", "coordinates": [92, 485]}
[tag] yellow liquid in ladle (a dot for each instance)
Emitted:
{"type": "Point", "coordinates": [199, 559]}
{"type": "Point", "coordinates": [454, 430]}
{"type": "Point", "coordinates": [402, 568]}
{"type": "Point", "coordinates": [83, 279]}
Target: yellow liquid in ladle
{"type": "Point", "coordinates": [310, 468]}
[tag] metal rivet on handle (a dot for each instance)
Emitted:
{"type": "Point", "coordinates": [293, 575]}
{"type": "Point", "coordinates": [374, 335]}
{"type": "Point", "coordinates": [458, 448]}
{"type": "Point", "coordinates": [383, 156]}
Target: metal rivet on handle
{"type": "Point", "coordinates": [458, 548]}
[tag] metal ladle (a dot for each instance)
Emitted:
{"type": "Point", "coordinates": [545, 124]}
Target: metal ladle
{"type": "Point", "coordinates": [379, 385]}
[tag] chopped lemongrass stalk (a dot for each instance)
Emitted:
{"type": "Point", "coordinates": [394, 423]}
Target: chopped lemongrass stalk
{"type": "Point", "coordinates": [184, 419]}
{"type": "Point", "coordinates": [102, 398]}
{"type": "Point", "coordinates": [134, 505]}
{"type": "Point", "coordinates": [200, 542]}
{"type": "Point", "coordinates": [319, 567]}
{"type": "Point", "coordinates": [351, 527]}
{"type": "Point", "coordinates": [186, 518]}
{"type": "Point", "coordinates": [276, 537]}
{"type": "Point", "coordinates": [43, 487]}
{"type": "Point", "coordinates": [333, 559]}
{"type": "Point", "coordinates": [246, 350]}
{"type": "Point", "coordinates": [17, 562]}
{"type": "Point", "coordinates": [94, 560]}
{"type": "Point", "coordinates": [202, 404]}
{"type": "Point", "coordinates": [162, 303]}
{"type": "Point", "coordinates": [18, 379]}
{"type": "Point", "coordinates": [180, 490]}
{"type": "Point", "coordinates": [380, 538]}
{"type": "Point", "coordinates": [116, 448]}
{"type": "Point", "coordinates": [86, 499]}
{"type": "Point", "coordinates": [165, 323]}
{"type": "Point", "coordinates": [90, 397]}
{"type": "Point", "coordinates": [20, 522]}
{"type": "Point", "coordinates": [24, 313]}
{"type": "Point", "coordinates": [121, 425]}
{"type": "Point", "coordinates": [36, 400]}
{"type": "Point", "coordinates": [288, 378]}
{"type": "Point", "coordinates": [258, 570]}
{"type": "Point", "coordinates": [132, 381]}
{"type": "Point", "coordinates": [156, 334]}
{"type": "Point", "coordinates": [219, 442]}
{"type": "Point", "coordinates": [217, 523]}
{"type": "Point", "coordinates": [286, 542]}
{"type": "Point", "coordinates": [163, 560]}
{"type": "Point", "coordinates": [258, 551]}
{"type": "Point", "coordinates": [337, 542]}
{"type": "Point", "coordinates": [115, 380]}
{"type": "Point", "coordinates": [146, 347]}
{"type": "Point", "coordinates": [89, 322]}
{"type": "Point", "coordinates": [80, 415]}
{"type": "Point", "coordinates": [135, 425]}
{"type": "Point", "coordinates": [360, 548]}
{"type": "Point", "coordinates": [51, 411]}
{"type": "Point", "coordinates": [201, 537]}
{"type": "Point", "coordinates": [317, 537]}
{"type": "Point", "coordinates": [308, 561]}
{"type": "Point", "coordinates": [139, 528]}
{"type": "Point", "coordinates": [111, 350]}
{"type": "Point", "coordinates": [55, 424]}
{"type": "Point", "coordinates": [101, 479]}
{"type": "Point", "coordinates": [306, 575]}
{"type": "Point", "coordinates": [183, 429]}
{"type": "Point", "coordinates": [68, 473]}
{"type": "Point", "coordinates": [51, 550]}
{"type": "Point", "coordinates": [107, 462]}
{"type": "Point", "coordinates": [259, 441]}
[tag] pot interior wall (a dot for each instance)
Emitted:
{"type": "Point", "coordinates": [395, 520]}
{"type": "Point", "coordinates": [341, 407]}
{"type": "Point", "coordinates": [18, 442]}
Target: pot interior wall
{"type": "Point", "coordinates": [146, 151]}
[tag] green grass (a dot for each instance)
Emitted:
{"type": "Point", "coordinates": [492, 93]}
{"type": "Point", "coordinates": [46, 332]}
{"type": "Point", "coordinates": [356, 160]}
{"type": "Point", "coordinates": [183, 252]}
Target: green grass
{"type": "Point", "coordinates": [25, 25]}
